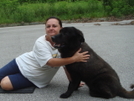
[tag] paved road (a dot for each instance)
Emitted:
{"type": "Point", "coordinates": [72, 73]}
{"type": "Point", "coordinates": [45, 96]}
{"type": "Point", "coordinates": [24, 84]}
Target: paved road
{"type": "Point", "coordinates": [114, 43]}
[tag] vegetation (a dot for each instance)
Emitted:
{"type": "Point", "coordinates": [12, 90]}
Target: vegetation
{"type": "Point", "coordinates": [17, 11]}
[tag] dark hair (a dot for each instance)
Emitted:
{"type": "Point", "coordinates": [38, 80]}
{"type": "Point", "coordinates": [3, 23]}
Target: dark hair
{"type": "Point", "coordinates": [60, 22]}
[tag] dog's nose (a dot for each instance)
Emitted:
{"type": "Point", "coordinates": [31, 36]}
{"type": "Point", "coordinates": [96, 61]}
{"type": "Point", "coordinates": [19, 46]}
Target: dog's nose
{"type": "Point", "coordinates": [53, 38]}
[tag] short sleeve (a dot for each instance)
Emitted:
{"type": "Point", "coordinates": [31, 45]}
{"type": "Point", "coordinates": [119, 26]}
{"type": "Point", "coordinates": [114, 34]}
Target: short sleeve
{"type": "Point", "coordinates": [42, 52]}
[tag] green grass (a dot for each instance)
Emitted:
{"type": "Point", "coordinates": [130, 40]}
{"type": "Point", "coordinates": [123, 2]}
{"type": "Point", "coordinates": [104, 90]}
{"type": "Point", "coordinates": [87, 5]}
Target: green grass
{"type": "Point", "coordinates": [13, 12]}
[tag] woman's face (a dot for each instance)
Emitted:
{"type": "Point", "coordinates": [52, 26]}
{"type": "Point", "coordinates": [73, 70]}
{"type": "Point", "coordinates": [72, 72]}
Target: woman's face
{"type": "Point", "coordinates": [52, 27]}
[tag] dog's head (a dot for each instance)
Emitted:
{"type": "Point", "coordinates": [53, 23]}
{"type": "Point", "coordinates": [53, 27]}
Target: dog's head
{"type": "Point", "coordinates": [68, 37]}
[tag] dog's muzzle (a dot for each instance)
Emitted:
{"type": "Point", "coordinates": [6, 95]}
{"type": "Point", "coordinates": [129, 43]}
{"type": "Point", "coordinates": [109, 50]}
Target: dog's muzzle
{"type": "Point", "coordinates": [57, 45]}
{"type": "Point", "coordinates": [53, 38]}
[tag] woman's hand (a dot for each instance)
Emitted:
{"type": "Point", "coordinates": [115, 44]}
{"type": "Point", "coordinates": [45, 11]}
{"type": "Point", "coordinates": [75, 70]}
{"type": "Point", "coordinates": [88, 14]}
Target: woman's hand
{"type": "Point", "coordinates": [81, 57]}
{"type": "Point", "coordinates": [77, 57]}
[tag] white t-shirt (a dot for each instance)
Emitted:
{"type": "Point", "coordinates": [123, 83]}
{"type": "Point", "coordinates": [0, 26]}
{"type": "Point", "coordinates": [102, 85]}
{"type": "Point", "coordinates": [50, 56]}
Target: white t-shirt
{"type": "Point", "coordinates": [33, 64]}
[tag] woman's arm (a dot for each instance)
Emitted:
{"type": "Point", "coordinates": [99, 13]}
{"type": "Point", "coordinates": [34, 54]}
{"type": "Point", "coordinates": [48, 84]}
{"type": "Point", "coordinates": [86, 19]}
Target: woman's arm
{"type": "Point", "coordinates": [77, 57]}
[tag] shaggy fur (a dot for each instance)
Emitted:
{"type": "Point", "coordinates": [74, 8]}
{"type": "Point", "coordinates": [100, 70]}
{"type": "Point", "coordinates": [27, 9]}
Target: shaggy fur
{"type": "Point", "coordinates": [98, 75]}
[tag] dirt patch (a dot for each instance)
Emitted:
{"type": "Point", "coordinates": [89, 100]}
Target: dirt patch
{"type": "Point", "coordinates": [131, 23]}
{"type": "Point", "coordinates": [82, 20]}
{"type": "Point", "coordinates": [109, 19]}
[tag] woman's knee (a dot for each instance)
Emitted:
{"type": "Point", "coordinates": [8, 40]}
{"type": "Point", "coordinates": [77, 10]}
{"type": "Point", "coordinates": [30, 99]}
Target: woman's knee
{"type": "Point", "coordinates": [6, 84]}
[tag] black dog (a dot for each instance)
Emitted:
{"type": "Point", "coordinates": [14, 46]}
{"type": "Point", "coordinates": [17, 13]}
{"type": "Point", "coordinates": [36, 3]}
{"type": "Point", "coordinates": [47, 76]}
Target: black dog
{"type": "Point", "coordinates": [98, 75]}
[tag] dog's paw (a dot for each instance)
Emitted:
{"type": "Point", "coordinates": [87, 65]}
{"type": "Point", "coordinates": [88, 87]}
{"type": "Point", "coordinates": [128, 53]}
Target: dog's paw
{"type": "Point", "coordinates": [65, 95]}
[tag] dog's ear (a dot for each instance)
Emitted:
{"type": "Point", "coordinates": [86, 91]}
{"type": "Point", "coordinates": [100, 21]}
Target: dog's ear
{"type": "Point", "coordinates": [81, 36]}
{"type": "Point", "coordinates": [82, 39]}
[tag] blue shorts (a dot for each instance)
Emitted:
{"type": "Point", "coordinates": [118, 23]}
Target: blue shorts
{"type": "Point", "coordinates": [17, 79]}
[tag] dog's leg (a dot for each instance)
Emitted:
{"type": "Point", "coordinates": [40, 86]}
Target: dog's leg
{"type": "Point", "coordinates": [105, 87]}
{"type": "Point", "coordinates": [73, 85]}
{"type": "Point", "coordinates": [104, 92]}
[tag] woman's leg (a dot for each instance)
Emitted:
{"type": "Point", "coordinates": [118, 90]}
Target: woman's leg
{"type": "Point", "coordinates": [10, 68]}
{"type": "Point", "coordinates": [6, 84]}
{"type": "Point", "coordinates": [15, 81]}
{"type": "Point", "coordinates": [11, 77]}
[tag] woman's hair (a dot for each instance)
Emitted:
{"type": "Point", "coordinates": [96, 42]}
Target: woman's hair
{"type": "Point", "coordinates": [60, 22]}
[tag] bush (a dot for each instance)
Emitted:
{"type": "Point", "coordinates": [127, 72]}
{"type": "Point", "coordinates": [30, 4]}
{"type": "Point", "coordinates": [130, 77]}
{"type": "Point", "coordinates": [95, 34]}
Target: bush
{"type": "Point", "coordinates": [121, 8]}
{"type": "Point", "coordinates": [13, 12]}
{"type": "Point", "coordinates": [8, 8]}
{"type": "Point", "coordinates": [118, 8]}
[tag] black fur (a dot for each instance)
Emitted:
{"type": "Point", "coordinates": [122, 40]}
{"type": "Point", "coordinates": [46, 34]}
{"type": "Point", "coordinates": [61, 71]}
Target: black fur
{"type": "Point", "coordinates": [98, 75]}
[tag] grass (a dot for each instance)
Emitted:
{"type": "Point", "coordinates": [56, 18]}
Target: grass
{"type": "Point", "coordinates": [14, 12]}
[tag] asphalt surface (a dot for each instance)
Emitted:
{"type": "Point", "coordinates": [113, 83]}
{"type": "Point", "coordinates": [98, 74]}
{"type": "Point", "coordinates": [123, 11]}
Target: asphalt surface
{"type": "Point", "coordinates": [114, 43]}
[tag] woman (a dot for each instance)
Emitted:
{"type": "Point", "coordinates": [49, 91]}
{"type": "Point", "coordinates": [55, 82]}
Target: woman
{"type": "Point", "coordinates": [37, 68]}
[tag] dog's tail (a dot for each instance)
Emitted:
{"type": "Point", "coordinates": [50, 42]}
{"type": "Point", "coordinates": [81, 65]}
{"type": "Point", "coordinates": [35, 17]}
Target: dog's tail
{"type": "Point", "coordinates": [127, 94]}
